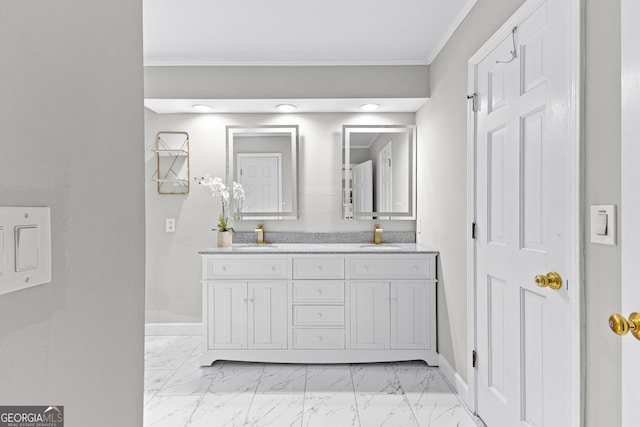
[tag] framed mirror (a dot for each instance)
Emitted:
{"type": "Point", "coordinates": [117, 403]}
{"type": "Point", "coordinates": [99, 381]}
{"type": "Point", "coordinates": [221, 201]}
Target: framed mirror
{"type": "Point", "coordinates": [379, 165]}
{"type": "Point", "coordinates": [264, 159]}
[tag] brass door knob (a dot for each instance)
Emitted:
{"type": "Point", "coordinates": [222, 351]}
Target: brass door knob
{"type": "Point", "coordinates": [621, 326]}
{"type": "Point", "coordinates": [551, 280]}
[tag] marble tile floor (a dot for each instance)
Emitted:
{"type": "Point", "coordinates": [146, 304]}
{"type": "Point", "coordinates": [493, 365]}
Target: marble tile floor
{"type": "Point", "coordinates": [179, 393]}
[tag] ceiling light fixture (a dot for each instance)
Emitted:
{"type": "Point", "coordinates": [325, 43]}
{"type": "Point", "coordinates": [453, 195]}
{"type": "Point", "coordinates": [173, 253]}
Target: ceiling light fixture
{"type": "Point", "coordinates": [286, 108]}
{"type": "Point", "coordinates": [369, 107]}
{"type": "Point", "coordinates": [201, 108]}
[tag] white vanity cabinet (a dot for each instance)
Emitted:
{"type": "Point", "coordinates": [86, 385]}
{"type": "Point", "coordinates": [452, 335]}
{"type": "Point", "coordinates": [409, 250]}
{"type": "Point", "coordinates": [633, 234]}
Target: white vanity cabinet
{"type": "Point", "coordinates": [319, 307]}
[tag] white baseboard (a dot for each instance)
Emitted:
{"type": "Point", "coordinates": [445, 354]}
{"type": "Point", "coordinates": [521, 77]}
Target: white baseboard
{"type": "Point", "coordinates": [455, 380]}
{"type": "Point", "coordinates": [183, 329]}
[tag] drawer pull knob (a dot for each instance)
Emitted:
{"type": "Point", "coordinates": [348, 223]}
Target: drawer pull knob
{"type": "Point", "coordinates": [319, 268]}
{"type": "Point", "coordinates": [415, 269]}
{"type": "Point", "coordinates": [319, 338]}
{"type": "Point", "coordinates": [224, 268]}
{"type": "Point", "coordinates": [273, 268]}
{"type": "Point", "coordinates": [365, 268]}
{"type": "Point", "coordinates": [319, 291]}
{"type": "Point", "coordinates": [319, 314]}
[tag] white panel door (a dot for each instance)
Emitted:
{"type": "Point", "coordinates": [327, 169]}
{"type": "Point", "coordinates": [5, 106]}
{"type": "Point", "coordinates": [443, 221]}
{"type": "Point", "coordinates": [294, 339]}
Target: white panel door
{"type": "Point", "coordinates": [228, 319]}
{"type": "Point", "coordinates": [260, 175]}
{"type": "Point", "coordinates": [268, 311]}
{"type": "Point", "coordinates": [524, 333]}
{"type": "Point", "coordinates": [363, 187]}
{"type": "Point", "coordinates": [411, 316]}
{"type": "Point", "coordinates": [384, 174]}
{"type": "Point", "coordinates": [630, 226]}
{"type": "Point", "coordinates": [370, 315]}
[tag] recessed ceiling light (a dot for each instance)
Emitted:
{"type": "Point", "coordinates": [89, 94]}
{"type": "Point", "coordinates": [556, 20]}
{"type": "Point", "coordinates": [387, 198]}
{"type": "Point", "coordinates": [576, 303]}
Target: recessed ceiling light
{"type": "Point", "coordinates": [286, 108]}
{"type": "Point", "coordinates": [201, 108]}
{"type": "Point", "coordinates": [369, 107]}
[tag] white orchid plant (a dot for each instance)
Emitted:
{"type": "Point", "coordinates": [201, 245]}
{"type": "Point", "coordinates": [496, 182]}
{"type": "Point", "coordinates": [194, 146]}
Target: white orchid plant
{"type": "Point", "coordinates": [220, 189]}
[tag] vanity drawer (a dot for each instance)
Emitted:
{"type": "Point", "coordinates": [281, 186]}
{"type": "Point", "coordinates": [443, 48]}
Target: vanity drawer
{"type": "Point", "coordinates": [246, 268]}
{"type": "Point", "coordinates": [318, 291]}
{"type": "Point", "coordinates": [318, 315]}
{"type": "Point", "coordinates": [318, 338]}
{"type": "Point", "coordinates": [393, 267]}
{"type": "Point", "coordinates": [318, 268]}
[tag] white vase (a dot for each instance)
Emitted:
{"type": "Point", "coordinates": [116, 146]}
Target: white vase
{"type": "Point", "coordinates": [225, 238]}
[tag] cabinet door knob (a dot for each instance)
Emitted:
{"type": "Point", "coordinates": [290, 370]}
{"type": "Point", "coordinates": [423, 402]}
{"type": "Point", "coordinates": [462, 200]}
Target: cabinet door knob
{"type": "Point", "coordinates": [273, 268]}
{"type": "Point", "coordinates": [414, 269]}
{"type": "Point", "coordinates": [224, 268]}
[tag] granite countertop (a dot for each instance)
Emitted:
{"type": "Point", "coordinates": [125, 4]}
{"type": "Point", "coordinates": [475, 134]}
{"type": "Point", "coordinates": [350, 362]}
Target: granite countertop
{"type": "Point", "coordinates": [320, 248]}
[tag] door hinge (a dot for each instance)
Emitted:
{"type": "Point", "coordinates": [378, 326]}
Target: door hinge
{"type": "Point", "coordinates": [474, 359]}
{"type": "Point", "coordinates": [473, 230]}
{"type": "Point", "coordinates": [475, 102]}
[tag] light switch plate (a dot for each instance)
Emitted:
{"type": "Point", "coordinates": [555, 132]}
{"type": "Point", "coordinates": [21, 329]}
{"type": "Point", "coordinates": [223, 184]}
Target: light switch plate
{"type": "Point", "coordinates": [600, 213]}
{"type": "Point", "coordinates": [25, 247]}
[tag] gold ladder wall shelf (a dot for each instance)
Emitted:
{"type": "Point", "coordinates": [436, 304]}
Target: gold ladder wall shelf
{"type": "Point", "coordinates": [172, 154]}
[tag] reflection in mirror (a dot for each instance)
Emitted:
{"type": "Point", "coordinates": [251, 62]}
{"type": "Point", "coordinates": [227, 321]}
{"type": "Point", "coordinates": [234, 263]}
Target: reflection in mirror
{"type": "Point", "coordinates": [264, 159]}
{"type": "Point", "coordinates": [379, 172]}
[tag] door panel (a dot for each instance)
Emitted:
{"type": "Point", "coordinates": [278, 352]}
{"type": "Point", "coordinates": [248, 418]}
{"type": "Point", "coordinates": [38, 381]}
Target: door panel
{"type": "Point", "coordinates": [630, 226]}
{"type": "Point", "coordinates": [496, 338]}
{"type": "Point", "coordinates": [410, 314]}
{"type": "Point", "coordinates": [370, 315]}
{"type": "Point", "coordinates": [533, 347]}
{"type": "Point", "coordinates": [229, 315]}
{"type": "Point", "coordinates": [524, 337]}
{"type": "Point", "coordinates": [363, 187]}
{"type": "Point", "coordinates": [260, 175]}
{"type": "Point", "coordinates": [268, 310]}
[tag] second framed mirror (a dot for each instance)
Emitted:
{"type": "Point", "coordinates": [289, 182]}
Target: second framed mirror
{"type": "Point", "coordinates": [379, 165]}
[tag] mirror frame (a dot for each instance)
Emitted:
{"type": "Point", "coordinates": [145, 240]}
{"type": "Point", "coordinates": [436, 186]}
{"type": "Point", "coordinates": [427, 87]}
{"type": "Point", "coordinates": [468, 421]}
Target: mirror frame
{"type": "Point", "coordinates": [347, 130]}
{"type": "Point", "coordinates": [293, 132]}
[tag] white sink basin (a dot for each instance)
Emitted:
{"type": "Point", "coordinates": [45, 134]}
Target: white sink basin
{"type": "Point", "coordinates": [380, 247]}
{"type": "Point", "coordinates": [255, 246]}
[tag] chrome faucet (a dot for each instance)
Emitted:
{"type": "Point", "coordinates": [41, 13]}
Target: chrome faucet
{"type": "Point", "coordinates": [377, 233]}
{"type": "Point", "coordinates": [260, 231]}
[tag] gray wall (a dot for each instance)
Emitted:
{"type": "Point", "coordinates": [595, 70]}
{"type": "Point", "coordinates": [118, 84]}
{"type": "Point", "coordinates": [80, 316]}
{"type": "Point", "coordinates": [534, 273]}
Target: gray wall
{"type": "Point", "coordinates": [442, 172]}
{"type": "Point", "coordinates": [602, 181]}
{"type": "Point", "coordinates": [287, 82]}
{"type": "Point", "coordinates": [173, 264]}
{"type": "Point", "coordinates": [442, 195]}
{"type": "Point", "coordinates": [70, 125]}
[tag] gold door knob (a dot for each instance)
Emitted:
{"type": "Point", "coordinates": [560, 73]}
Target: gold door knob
{"type": "Point", "coordinates": [621, 326]}
{"type": "Point", "coordinates": [551, 280]}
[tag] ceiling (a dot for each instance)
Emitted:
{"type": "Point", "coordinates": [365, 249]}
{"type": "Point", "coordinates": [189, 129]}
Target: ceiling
{"type": "Point", "coordinates": [298, 32]}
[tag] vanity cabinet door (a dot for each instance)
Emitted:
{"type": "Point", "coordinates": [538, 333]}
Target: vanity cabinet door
{"type": "Point", "coordinates": [370, 315]}
{"type": "Point", "coordinates": [412, 314]}
{"type": "Point", "coordinates": [268, 309]}
{"type": "Point", "coordinates": [227, 315]}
